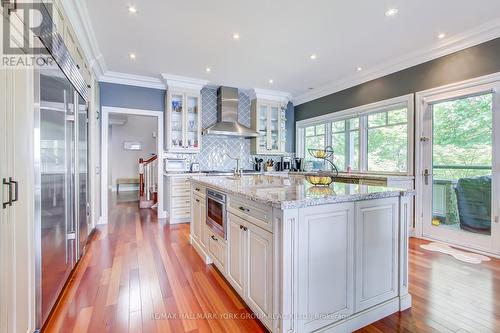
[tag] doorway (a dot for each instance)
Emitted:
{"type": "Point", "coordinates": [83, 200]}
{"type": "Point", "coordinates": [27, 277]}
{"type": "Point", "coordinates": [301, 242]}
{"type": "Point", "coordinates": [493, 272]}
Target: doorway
{"type": "Point", "coordinates": [128, 136]}
{"type": "Point", "coordinates": [459, 150]}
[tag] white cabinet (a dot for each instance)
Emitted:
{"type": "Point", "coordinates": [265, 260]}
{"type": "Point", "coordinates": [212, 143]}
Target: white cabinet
{"type": "Point", "coordinates": [196, 213]}
{"type": "Point", "coordinates": [250, 265]}
{"type": "Point", "coordinates": [235, 252]}
{"type": "Point", "coordinates": [17, 253]}
{"type": "Point", "coordinates": [376, 253]}
{"type": "Point", "coordinates": [268, 119]}
{"type": "Point", "coordinates": [183, 121]}
{"type": "Point", "coordinates": [325, 265]}
{"type": "Point", "coordinates": [178, 198]}
{"type": "Point", "coordinates": [217, 250]}
{"type": "Point", "coordinates": [259, 272]}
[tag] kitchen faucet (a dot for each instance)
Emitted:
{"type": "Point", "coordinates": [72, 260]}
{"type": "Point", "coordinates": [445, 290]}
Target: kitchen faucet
{"type": "Point", "coordinates": [237, 171]}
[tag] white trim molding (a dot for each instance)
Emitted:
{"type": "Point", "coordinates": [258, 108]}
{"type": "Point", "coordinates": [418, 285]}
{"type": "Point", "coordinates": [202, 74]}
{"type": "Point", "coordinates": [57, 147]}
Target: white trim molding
{"type": "Point", "coordinates": [270, 95]}
{"type": "Point", "coordinates": [183, 82]}
{"type": "Point", "coordinates": [106, 110]}
{"type": "Point", "coordinates": [481, 34]}
{"type": "Point", "coordinates": [132, 80]}
{"type": "Point", "coordinates": [79, 18]}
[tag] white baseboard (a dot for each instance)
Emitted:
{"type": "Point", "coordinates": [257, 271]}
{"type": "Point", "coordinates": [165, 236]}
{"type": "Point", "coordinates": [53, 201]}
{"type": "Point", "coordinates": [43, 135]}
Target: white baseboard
{"type": "Point", "coordinates": [405, 302]}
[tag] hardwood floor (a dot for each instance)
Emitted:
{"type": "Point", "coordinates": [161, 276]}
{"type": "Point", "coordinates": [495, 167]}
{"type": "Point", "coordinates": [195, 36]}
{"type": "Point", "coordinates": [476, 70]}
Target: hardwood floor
{"type": "Point", "coordinates": [141, 275]}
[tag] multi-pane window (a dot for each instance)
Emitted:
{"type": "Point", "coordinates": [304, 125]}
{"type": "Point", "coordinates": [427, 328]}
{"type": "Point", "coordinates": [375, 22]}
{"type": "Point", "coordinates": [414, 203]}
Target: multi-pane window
{"type": "Point", "coordinates": [315, 137]}
{"type": "Point", "coordinates": [373, 138]}
{"type": "Point", "coordinates": [387, 141]}
{"type": "Point", "coordinates": [345, 143]}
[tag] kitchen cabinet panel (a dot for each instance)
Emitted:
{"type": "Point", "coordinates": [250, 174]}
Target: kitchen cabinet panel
{"type": "Point", "coordinates": [183, 122]}
{"type": "Point", "coordinates": [376, 251]}
{"type": "Point", "coordinates": [236, 252]}
{"type": "Point", "coordinates": [326, 265]}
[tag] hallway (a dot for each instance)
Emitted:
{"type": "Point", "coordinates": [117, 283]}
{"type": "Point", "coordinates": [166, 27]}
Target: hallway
{"type": "Point", "coordinates": [140, 275]}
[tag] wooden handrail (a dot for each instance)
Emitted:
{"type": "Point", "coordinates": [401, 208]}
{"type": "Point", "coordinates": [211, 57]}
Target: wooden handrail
{"type": "Point", "coordinates": [142, 164]}
{"type": "Point", "coordinates": [149, 160]}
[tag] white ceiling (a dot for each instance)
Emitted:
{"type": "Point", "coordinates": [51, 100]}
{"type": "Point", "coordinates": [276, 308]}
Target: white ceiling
{"type": "Point", "coordinates": [183, 37]}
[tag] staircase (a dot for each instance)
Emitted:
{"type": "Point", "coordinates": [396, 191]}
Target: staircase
{"type": "Point", "coordinates": [148, 182]}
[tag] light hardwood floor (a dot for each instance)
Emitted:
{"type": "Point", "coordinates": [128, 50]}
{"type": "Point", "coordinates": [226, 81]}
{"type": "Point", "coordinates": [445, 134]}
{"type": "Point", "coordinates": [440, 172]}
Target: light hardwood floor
{"type": "Point", "coordinates": [141, 275]}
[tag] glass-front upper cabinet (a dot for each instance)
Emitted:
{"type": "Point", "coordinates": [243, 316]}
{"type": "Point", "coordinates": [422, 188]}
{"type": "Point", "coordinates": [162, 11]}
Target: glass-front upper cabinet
{"type": "Point", "coordinates": [268, 120]}
{"type": "Point", "coordinates": [183, 122]}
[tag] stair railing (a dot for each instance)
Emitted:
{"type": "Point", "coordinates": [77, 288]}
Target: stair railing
{"type": "Point", "coordinates": [148, 170]}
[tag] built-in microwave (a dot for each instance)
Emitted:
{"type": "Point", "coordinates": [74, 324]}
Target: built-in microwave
{"type": "Point", "coordinates": [216, 212]}
{"type": "Point", "coordinates": [175, 164]}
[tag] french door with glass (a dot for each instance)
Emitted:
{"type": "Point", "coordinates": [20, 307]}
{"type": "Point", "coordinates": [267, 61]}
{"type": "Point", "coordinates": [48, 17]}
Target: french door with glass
{"type": "Point", "coordinates": [460, 148]}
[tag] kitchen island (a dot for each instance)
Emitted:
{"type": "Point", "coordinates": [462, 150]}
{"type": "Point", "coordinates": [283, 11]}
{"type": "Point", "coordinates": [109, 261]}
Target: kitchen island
{"type": "Point", "coordinates": [306, 258]}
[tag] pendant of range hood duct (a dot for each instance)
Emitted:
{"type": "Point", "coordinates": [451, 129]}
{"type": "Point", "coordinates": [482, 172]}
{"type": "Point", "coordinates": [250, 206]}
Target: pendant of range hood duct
{"type": "Point", "coordinates": [227, 116]}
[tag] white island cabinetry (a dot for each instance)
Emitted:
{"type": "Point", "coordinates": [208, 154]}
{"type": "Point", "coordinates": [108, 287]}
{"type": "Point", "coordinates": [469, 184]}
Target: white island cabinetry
{"type": "Point", "coordinates": [330, 264]}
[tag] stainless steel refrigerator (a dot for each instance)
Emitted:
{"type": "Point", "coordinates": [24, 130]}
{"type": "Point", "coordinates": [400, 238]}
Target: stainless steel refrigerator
{"type": "Point", "coordinates": [61, 175]}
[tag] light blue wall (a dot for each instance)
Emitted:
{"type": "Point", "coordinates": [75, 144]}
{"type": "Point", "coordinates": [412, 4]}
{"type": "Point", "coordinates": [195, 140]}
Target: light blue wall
{"type": "Point", "coordinates": [123, 96]}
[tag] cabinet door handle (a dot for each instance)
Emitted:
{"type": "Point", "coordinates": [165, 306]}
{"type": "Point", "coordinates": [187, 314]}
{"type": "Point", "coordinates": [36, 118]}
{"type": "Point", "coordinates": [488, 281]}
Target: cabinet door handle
{"type": "Point", "coordinates": [215, 239]}
{"type": "Point", "coordinates": [197, 189]}
{"type": "Point", "coordinates": [241, 227]}
{"type": "Point", "coordinates": [9, 184]}
{"type": "Point", "coordinates": [243, 209]}
{"type": "Point", "coordinates": [197, 200]}
{"type": "Point", "coordinates": [245, 228]}
{"type": "Point", "coordinates": [16, 189]}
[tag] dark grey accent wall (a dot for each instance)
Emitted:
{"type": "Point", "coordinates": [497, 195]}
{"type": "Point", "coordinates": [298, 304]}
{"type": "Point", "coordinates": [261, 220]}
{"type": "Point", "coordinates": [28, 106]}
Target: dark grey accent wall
{"type": "Point", "coordinates": [466, 64]}
{"type": "Point", "coordinates": [290, 128]}
{"type": "Point", "coordinates": [124, 96]}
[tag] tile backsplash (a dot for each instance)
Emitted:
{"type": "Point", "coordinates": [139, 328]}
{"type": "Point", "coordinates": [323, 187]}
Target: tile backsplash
{"type": "Point", "coordinates": [213, 148]}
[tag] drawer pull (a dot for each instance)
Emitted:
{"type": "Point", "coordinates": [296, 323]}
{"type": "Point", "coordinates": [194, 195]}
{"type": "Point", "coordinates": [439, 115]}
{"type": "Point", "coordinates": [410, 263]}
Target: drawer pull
{"type": "Point", "coordinates": [241, 227]}
{"type": "Point", "coordinates": [243, 209]}
{"type": "Point", "coordinates": [215, 239]}
{"type": "Point", "coordinates": [197, 189]}
{"type": "Point", "coordinates": [197, 200]}
{"type": "Point", "coordinates": [245, 228]}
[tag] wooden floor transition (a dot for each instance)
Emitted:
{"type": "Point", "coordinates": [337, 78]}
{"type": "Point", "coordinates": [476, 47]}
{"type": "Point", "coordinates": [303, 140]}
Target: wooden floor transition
{"type": "Point", "coordinates": [141, 275]}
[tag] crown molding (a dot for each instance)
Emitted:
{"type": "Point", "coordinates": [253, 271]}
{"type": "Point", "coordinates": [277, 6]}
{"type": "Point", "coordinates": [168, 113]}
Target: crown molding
{"type": "Point", "coordinates": [270, 95]}
{"type": "Point", "coordinates": [481, 34]}
{"type": "Point", "coordinates": [79, 18]}
{"type": "Point", "coordinates": [176, 81]}
{"type": "Point", "coordinates": [132, 80]}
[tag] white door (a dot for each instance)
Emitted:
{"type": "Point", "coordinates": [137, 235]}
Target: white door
{"type": "Point", "coordinates": [460, 159]}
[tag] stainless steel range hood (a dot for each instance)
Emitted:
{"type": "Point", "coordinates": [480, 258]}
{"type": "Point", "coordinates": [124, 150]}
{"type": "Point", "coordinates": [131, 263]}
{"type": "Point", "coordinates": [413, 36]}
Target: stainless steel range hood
{"type": "Point", "coordinates": [227, 116]}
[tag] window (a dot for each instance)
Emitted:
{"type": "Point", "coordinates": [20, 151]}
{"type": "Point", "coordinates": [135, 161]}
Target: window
{"type": "Point", "coordinates": [387, 139]}
{"type": "Point", "coordinates": [315, 137]}
{"type": "Point", "coordinates": [375, 138]}
{"type": "Point", "coordinates": [345, 143]}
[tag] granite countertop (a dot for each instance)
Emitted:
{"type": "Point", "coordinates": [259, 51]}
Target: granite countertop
{"type": "Point", "coordinates": [293, 191]}
{"type": "Point", "coordinates": [368, 176]}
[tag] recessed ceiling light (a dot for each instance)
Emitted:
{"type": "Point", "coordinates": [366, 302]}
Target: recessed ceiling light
{"type": "Point", "coordinates": [391, 12]}
{"type": "Point", "coordinates": [312, 57]}
{"type": "Point", "coordinates": [236, 36]}
{"type": "Point", "coordinates": [132, 10]}
{"type": "Point", "coordinates": [132, 56]}
{"type": "Point", "coordinates": [359, 69]}
{"type": "Point", "coordinates": [208, 69]}
{"type": "Point", "coordinates": [271, 81]}
{"type": "Point", "coordinates": [310, 88]}
{"type": "Point", "coordinates": [441, 35]}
